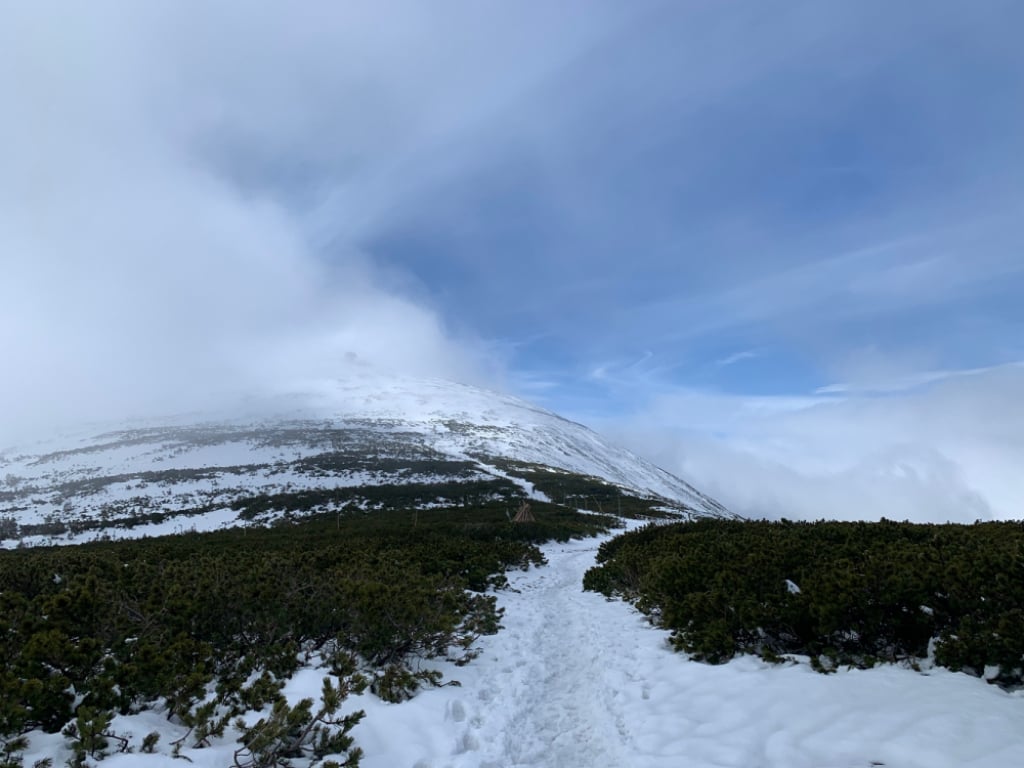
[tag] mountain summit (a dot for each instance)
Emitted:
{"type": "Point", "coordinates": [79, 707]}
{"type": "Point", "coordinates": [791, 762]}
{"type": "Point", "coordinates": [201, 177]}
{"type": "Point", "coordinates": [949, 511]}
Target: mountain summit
{"type": "Point", "coordinates": [325, 447]}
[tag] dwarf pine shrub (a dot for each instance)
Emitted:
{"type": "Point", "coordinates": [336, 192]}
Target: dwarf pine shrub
{"type": "Point", "coordinates": [841, 593]}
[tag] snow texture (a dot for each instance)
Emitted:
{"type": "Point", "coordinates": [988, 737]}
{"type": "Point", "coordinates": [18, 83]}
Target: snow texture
{"type": "Point", "coordinates": [576, 680]}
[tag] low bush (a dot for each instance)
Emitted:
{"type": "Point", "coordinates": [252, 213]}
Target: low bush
{"type": "Point", "coordinates": [841, 593]}
{"type": "Point", "coordinates": [208, 625]}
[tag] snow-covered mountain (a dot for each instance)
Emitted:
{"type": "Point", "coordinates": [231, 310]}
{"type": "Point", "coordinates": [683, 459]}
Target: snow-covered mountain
{"type": "Point", "coordinates": [329, 445]}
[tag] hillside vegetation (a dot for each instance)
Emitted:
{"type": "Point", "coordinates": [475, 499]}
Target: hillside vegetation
{"type": "Point", "coordinates": [206, 627]}
{"type": "Point", "coordinates": [841, 593]}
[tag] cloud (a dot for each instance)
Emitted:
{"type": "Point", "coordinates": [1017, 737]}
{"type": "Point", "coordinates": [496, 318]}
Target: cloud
{"type": "Point", "coordinates": [869, 377]}
{"type": "Point", "coordinates": [736, 357]}
{"type": "Point", "coordinates": [186, 187]}
{"type": "Point", "coordinates": [950, 451]}
{"type": "Point", "coordinates": [753, 174]}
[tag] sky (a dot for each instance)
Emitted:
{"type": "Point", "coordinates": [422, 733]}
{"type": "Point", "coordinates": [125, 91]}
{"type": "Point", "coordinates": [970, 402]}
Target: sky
{"type": "Point", "coordinates": [774, 246]}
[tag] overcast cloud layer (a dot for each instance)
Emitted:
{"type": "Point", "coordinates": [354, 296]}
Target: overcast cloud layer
{"type": "Point", "coordinates": [774, 245]}
{"type": "Point", "coordinates": [166, 173]}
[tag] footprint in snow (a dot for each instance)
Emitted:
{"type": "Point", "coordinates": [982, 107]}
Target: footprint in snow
{"type": "Point", "coordinates": [467, 742]}
{"type": "Point", "coordinates": [456, 710]}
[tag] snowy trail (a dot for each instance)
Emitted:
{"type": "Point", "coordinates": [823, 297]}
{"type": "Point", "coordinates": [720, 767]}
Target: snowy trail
{"type": "Point", "coordinates": [544, 691]}
{"type": "Point", "coordinates": [563, 707]}
{"type": "Point", "coordinates": [575, 680]}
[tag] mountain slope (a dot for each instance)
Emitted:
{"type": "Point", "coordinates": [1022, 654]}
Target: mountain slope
{"type": "Point", "coordinates": [332, 446]}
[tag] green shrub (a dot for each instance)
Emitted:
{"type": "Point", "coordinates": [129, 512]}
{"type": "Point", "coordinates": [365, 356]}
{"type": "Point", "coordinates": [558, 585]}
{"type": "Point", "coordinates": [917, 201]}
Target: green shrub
{"type": "Point", "coordinates": [297, 732]}
{"type": "Point", "coordinates": [841, 593]}
{"type": "Point", "coordinates": [209, 625]}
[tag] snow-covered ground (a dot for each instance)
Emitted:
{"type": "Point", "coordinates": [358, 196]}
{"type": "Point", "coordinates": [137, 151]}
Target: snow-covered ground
{"type": "Point", "coordinates": [576, 680]}
{"type": "Point", "coordinates": [105, 478]}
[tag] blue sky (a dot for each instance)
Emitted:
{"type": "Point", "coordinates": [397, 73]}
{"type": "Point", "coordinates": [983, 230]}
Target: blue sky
{"type": "Point", "coordinates": [743, 197]}
{"type": "Point", "coordinates": [777, 241]}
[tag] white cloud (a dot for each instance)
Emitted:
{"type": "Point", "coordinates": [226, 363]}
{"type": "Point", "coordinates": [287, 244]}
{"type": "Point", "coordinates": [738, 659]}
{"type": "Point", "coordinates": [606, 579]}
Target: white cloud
{"type": "Point", "coordinates": [185, 186]}
{"type": "Point", "coordinates": [949, 452]}
{"type": "Point", "coordinates": [737, 357]}
{"type": "Point", "coordinates": [884, 378]}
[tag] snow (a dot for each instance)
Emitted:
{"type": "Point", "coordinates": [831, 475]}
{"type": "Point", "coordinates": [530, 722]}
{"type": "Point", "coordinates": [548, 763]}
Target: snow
{"type": "Point", "coordinates": [577, 681]}
{"type": "Point", "coordinates": [118, 472]}
{"type": "Point", "coordinates": [525, 485]}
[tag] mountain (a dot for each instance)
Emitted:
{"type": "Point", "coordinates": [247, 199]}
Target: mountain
{"type": "Point", "coordinates": [361, 443]}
